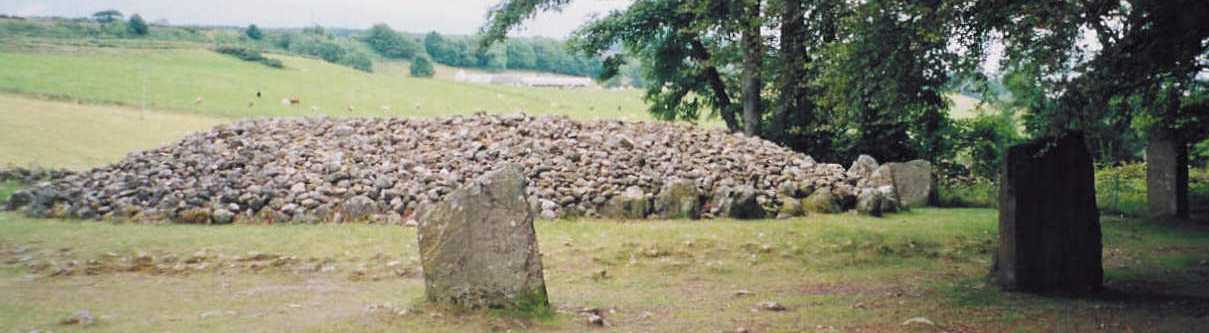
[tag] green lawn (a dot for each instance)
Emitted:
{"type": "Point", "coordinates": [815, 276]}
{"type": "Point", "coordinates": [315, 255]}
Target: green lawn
{"type": "Point", "coordinates": [173, 79]}
{"type": "Point", "coordinates": [833, 273]}
{"type": "Point", "coordinates": [67, 135]}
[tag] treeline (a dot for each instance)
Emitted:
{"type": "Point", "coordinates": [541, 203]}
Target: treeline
{"type": "Point", "coordinates": [347, 47]}
{"type": "Point", "coordinates": [537, 54]}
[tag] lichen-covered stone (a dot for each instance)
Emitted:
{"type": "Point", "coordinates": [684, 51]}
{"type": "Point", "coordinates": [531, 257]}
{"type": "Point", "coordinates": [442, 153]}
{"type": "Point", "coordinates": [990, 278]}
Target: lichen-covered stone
{"type": "Point", "coordinates": [632, 204]}
{"type": "Point", "coordinates": [738, 203]}
{"type": "Point", "coordinates": [478, 248]}
{"type": "Point", "coordinates": [822, 201]}
{"type": "Point", "coordinates": [678, 200]}
{"type": "Point", "coordinates": [790, 207]}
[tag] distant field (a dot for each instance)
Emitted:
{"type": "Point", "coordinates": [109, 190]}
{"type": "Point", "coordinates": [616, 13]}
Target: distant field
{"type": "Point", "coordinates": [68, 135]}
{"type": "Point", "coordinates": [173, 79]}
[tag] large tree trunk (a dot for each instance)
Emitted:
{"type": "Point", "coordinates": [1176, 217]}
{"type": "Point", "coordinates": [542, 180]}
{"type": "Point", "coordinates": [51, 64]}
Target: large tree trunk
{"type": "Point", "coordinates": [714, 79]}
{"type": "Point", "coordinates": [753, 57]}
{"type": "Point", "coordinates": [1166, 174]}
{"type": "Point", "coordinates": [793, 61]}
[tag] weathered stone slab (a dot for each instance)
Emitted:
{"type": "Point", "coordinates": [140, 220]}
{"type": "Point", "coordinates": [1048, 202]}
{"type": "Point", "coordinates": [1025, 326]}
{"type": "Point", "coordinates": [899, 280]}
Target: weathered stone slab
{"type": "Point", "coordinates": [737, 203]}
{"type": "Point", "coordinates": [1166, 175]}
{"type": "Point", "coordinates": [632, 204]}
{"type": "Point", "coordinates": [913, 182]}
{"type": "Point", "coordinates": [1049, 228]}
{"type": "Point", "coordinates": [478, 247]}
{"type": "Point", "coordinates": [678, 199]}
{"type": "Point", "coordinates": [862, 167]}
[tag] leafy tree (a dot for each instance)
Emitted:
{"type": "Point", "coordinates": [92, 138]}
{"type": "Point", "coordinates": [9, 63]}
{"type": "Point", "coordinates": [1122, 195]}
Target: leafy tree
{"type": "Point", "coordinates": [137, 26]}
{"type": "Point", "coordinates": [253, 32]}
{"type": "Point", "coordinates": [520, 55]}
{"type": "Point", "coordinates": [390, 44]}
{"type": "Point", "coordinates": [107, 16]}
{"type": "Point", "coordinates": [422, 67]}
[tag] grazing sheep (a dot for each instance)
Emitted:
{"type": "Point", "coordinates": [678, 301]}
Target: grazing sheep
{"type": "Point", "coordinates": [285, 101]}
{"type": "Point", "coordinates": [295, 100]}
{"type": "Point", "coordinates": [314, 108]}
{"type": "Point", "coordinates": [351, 108]}
{"type": "Point", "coordinates": [199, 100]}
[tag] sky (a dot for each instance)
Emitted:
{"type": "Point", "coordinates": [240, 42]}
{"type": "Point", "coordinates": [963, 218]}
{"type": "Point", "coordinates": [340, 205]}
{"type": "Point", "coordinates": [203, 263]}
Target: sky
{"type": "Point", "coordinates": [445, 16]}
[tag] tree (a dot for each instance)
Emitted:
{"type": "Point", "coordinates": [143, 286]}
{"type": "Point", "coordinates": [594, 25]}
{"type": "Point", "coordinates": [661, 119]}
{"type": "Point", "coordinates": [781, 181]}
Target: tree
{"type": "Point", "coordinates": [137, 26]}
{"type": "Point", "coordinates": [422, 67]}
{"type": "Point", "coordinates": [1146, 68]}
{"type": "Point", "coordinates": [520, 55]}
{"type": "Point", "coordinates": [390, 44]}
{"type": "Point", "coordinates": [253, 32]}
{"type": "Point", "coordinates": [107, 16]}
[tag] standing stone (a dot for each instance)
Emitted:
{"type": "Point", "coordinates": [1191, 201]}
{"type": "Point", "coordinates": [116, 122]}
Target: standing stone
{"type": "Point", "coordinates": [1049, 228]}
{"type": "Point", "coordinates": [912, 182]}
{"type": "Point", "coordinates": [679, 199]}
{"type": "Point", "coordinates": [478, 247]}
{"type": "Point", "coordinates": [1166, 175]}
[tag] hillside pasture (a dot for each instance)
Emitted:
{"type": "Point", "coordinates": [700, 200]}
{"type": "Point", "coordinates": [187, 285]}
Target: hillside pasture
{"type": "Point", "coordinates": [58, 134]}
{"type": "Point", "coordinates": [201, 82]}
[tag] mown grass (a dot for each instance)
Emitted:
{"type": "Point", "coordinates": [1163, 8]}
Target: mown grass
{"type": "Point", "coordinates": [832, 272]}
{"type": "Point", "coordinates": [174, 79]}
{"type": "Point", "coordinates": [68, 135]}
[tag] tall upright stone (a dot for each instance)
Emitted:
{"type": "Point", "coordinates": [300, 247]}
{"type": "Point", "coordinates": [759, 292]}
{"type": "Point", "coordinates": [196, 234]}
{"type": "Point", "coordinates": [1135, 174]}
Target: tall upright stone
{"type": "Point", "coordinates": [478, 246]}
{"type": "Point", "coordinates": [1166, 174]}
{"type": "Point", "coordinates": [1049, 228]}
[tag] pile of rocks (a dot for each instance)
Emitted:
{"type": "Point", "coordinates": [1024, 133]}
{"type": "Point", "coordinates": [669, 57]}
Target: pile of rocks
{"type": "Point", "coordinates": [383, 170]}
{"type": "Point", "coordinates": [31, 175]}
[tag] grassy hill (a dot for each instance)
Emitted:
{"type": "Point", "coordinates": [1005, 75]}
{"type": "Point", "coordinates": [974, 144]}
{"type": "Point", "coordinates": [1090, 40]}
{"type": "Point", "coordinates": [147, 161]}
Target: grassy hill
{"type": "Point", "coordinates": [68, 135]}
{"type": "Point", "coordinates": [173, 79]}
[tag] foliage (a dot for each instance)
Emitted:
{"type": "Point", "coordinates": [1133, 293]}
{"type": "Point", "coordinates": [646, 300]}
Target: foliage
{"type": "Point", "coordinates": [984, 140]}
{"type": "Point", "coordinates": [538, 54]}
{"type": "Point", "coordinates": [390, 44]}
{"type": "Point", "coordinates": [422, 67]}
{"type": "Point", "coordinates": [137, 26]}
{"type": "Point", "coordinates": [253, 32]}
{"type": "Point", "coordinates": [107, 16]}
{"type": "Point", "coordinates": [317, 43]}
{"type": "Point", "coordinates": [1121, 189]}
{"type": "Point", "coordinates": [967, 192]}
{"type": "Point", "coordinates": [247, 54]}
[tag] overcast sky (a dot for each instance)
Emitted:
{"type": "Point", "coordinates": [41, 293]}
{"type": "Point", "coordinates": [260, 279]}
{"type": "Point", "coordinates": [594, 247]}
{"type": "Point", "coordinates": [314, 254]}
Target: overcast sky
{"type": "Point", "coordinates": [445, 16]}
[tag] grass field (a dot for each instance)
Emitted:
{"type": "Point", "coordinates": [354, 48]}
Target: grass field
{"type": "Point", "coordinates": [173, 79]}
{"type": "Point", "coordinates": [67, 135]}
{"type": "Point", "coordinates": [832, 273]}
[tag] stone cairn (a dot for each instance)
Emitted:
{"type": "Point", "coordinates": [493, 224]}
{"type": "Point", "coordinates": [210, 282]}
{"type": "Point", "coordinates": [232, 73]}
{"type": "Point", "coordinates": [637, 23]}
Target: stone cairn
{"type": "Point", "coordinates": [383, 170]}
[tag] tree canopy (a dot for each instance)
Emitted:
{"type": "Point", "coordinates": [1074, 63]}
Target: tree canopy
{"type": "Point", "coordinates": [391, 44]}
{"type": "Point", "coordinates": [107, 16]}
{"type": "Point", "coordinates": [253, 32]}
{"type": "Point", "coordinates": [136, 26]}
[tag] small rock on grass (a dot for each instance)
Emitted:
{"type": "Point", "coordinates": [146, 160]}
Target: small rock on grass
{"type": "Point", "coordinates": [918, 321]}
{"type": "Point", "coordinates": [772, 306]}
{"type": "Point", "coordinates": [81, 318]}
{"type": "Point", "coordinates": [596, 320]}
